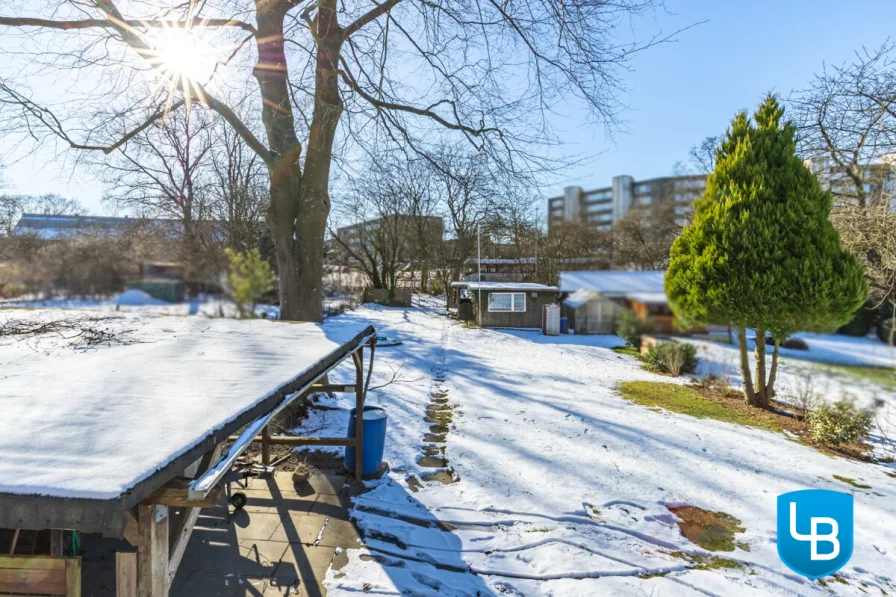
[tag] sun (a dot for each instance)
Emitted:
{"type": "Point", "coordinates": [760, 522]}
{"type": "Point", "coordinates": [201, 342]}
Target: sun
{"type": "Point", "coordinates": [183, 58]}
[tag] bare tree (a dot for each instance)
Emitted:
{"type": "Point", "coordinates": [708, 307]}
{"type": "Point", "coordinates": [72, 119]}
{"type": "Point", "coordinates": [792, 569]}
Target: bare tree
{"type": "Point", "coordinates": [643, 238]}
{"type": "Point", "coordinates": [485, 71]}
{"type": "Point", "coordinates": [847, 119]}
{"type": "Point", "coordinates": [390, 203]}
{"type": "Point", "coordinates": [12, 207]}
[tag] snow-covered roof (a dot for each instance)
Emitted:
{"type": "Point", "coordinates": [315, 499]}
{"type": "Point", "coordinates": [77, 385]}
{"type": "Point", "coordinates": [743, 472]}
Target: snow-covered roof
{"type": "Point", "coordinates": [613, 283]}
{"type": "Point", "coordinates": [95, 422]}
{"type": "Point", "coordinates": [648, 298]}
{"type": "Point", "coordinates": [50, 227]}
{"type": "Point", "coordinates": [519, 286]}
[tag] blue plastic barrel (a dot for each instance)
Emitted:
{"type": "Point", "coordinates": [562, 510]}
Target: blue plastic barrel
{"type": "Point", "coordinates": [564, 325]}
{"type": "Point", "coordinates": [374, 439]}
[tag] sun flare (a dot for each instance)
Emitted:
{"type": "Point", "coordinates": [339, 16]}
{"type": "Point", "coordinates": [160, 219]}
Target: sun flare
{"type": "Point", "coordinates": [184, 59]}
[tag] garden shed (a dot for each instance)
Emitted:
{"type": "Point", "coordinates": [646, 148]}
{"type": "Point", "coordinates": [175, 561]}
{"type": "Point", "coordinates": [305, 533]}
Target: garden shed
{"type": "Point", "coordinates": [595, 298]}
{"type": "Point", "coordinates": [506, 304]}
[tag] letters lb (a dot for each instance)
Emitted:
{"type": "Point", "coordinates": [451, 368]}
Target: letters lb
{"type": "Point", "coordinates": [815, 531]}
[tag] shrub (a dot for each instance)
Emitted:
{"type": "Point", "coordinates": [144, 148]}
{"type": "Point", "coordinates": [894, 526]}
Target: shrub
{"type": "Point", "coordinates": [791, 343]}
{"type": "Point", "coordinates": [250, 277]}
{"type": "Point", "coordinates": [862, 321]}
{"type": "Point", "coordinates": [839, 423]}
{"type": "Point", "coordinates": [885, 324]}
{"type": "Point", "coordinates": [630, 328]}
{"type": "Point", "coordinates": [673, 357]}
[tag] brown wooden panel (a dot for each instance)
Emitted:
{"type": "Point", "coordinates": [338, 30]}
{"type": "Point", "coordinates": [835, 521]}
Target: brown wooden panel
{"type": "Point", "coordinates": [28, 575]}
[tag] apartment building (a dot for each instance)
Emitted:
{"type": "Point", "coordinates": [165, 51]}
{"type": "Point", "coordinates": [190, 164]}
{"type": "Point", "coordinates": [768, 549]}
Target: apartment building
{"type": "Point", "coordinates": [603, 207]}
{"type": "Point", "coordinates": [877, 179]}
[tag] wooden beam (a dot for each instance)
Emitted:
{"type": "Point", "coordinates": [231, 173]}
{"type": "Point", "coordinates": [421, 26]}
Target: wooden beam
{"type": "Point", "coordinates": [175, 494]}
{"type": "Point", "coordinates": [125, 574]}
{"type": "Point", "coordinates": [130, 528]}
{"type": "Point", "coordinates": [183, 529]}
{"type": "Point", "coordinates": [152, 550]}
{"type": "Point", "coordinates": [56, 542]}
{"type": "Point", "coordinates": [73, 577]}
{"type": "Point", "coordinates": [42, 575]}
{"type": "Point", "coordinates": [266, 445]}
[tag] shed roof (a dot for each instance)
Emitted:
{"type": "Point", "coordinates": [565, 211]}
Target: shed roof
{"type": "Point", "coordinates": [100, 425]}
{"type": "Point", "coordinates": [518, 286]}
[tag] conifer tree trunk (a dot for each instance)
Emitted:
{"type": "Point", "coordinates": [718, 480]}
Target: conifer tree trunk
{"type": "Point", "coordinates": [752, 399]}
{"type": "Point", "coordinates": [759, 384]}
{"type": "Point", "coordinates": [770, 385]}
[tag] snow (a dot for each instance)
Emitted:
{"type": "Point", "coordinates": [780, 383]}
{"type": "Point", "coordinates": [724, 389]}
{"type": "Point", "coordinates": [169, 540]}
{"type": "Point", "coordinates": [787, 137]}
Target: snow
{"type": "Point", "coordinates": [92, 422]}
{"type": "Point", "coordinates": [613, 282]}
{"type": "Point", "coordinates": [136, 298]}
{"type": "Point", "coordinates": [563, 486]}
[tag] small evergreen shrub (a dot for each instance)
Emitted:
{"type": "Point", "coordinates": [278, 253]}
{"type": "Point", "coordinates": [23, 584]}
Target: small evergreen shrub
{"type": "Point", "coordinates": [630, 328]}
{"type": "Point", "coordinates": [250, 278]}
{"type": "Point", "coordinates": [675, 358]}
{"type": "Point", "coordinates": [862, 321]}
{"type": "Point", "coordinates": [840, 423]}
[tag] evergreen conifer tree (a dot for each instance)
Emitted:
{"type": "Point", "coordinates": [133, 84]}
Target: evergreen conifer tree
{"type": "Point", "coordinates": [761, 252]}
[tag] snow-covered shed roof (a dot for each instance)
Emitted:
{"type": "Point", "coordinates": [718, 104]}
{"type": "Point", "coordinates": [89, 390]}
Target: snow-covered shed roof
{"type": "Point", "coordinates": [99, 423]}
{"type": "Point", "coordinates": [613, 283]}
{"type": "Point", "coordinates": [509, 286]}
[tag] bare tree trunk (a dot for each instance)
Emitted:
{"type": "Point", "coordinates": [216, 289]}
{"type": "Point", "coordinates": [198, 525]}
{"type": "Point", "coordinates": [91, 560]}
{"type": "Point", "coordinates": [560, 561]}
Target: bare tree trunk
{"type": "Point", "coordinates": [752, 399]}
{"type": "Point", "coordinates": [770, 385]}
{"type": "Point", "coordinates": [300, 202]}
{"type": "Point", "coordinates": [759, 384]}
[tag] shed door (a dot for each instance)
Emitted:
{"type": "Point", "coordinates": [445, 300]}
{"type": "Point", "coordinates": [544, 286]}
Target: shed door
{"type": "Point", "coordinates": [600, 317]}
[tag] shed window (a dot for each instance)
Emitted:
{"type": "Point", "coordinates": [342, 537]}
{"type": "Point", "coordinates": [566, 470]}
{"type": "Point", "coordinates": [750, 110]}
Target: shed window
{"type": "Point", "coordinates": [507, 301]}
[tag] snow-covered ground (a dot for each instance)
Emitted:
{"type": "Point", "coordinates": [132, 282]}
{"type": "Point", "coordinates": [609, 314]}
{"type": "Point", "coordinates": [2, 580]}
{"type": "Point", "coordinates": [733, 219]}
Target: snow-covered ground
{"type": "Point", "coordinates": [564, 486]}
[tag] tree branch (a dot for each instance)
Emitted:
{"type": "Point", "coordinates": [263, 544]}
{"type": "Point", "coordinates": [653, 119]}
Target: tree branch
{"type": "Point", "coordinates": [372, 14]}
{"type": "Point", "coordinates": [132, 23]}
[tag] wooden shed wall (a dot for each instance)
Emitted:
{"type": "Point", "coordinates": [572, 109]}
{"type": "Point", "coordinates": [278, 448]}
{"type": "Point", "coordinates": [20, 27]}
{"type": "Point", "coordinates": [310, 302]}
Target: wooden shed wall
{"type": "Point", "coordinates": [530, 318]}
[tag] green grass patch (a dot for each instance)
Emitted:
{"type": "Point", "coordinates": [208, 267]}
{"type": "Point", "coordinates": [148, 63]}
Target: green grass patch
{"type": "Point", "coordinates": [884, 377]}
{"type": "Point", "coordinates": [632, 352]}
{"type": "Point", "coordinates": [852, 482]}
{"type": "Point", "coordinates": [684, 400]}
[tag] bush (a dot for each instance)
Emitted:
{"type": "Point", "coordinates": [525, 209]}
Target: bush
{"type": "Point", "coordinates": [250, 277]}
{"type": "Point", "coordinates": [673, 357]}
{"type": "Point", "coordinates": [630, 328]}
{"type": "Point", "coordinates": [839, 423]}
{"type": "Point", "coordinates": [862, 321]}
{"type": "Point", "coordinates": [885, 324]}
{"type": "Point", "coordinates": [791, 343]}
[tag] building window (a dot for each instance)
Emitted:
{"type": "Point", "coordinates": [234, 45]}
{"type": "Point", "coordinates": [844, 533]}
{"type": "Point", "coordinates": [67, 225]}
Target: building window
{"type": "Point", "coordinates": [646, 200]}
{"type": "Point", "coordinates": [507, 301]}
{"type": "Point", "coordinates": [642, 188]}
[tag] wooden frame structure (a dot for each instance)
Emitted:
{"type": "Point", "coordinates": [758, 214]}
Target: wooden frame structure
{"type": "Point", "coordinates": [158, 515]}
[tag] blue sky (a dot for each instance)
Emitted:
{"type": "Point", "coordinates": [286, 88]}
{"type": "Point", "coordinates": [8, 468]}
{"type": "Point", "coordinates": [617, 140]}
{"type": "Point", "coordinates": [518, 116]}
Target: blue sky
{"type": "Point", "coordinates": [677, 93]}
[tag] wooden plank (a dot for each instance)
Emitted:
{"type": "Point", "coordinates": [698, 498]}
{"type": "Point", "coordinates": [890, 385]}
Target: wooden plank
{"type": "Point", "coordinates": [266, 445]}
{"type": "Point", "coordinates": [73, 577]}
{"type": "Point", "coordinates": [125, 574]}
{"type": "Point", "coordinates": [130, 528]}
{"type": "Point", "coordinates": [56, 542]}
{"type": "Point", "coordinates": [182, 537]}
{"type": "Point", "coordinates": [152, 550]}
{"type": "Point", "coordinates": [175, 494]}
{"type": "Point", "coordinates": [44, 575]}
{"type": "Point", "coordinates": [298, 440]}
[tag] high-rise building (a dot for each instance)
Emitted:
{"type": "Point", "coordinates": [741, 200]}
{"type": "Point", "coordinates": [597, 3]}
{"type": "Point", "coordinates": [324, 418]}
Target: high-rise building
{"type": "Point", "coordinates": [603, 207]}
{"type": "Point", "coordinates": [852, 184]}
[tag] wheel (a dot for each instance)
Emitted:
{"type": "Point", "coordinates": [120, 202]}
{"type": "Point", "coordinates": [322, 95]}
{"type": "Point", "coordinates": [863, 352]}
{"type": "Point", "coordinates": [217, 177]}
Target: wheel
{"type": "Point", "coordinates": [238, 500]}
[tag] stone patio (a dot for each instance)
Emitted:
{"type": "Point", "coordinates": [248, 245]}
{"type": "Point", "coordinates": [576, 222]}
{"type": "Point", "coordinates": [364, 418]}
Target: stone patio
{"type": "Point", "coordinates": [281, 543]}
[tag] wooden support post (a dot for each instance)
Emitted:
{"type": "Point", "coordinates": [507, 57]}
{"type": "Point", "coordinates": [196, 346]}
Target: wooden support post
{"type": "Point", "coordinates": [183, 528]}
{"type": "Point", "coordinates": [152, 550]}
{"type": "Point", "coordinates": [15, 539]}
{"type": "Point", "coordinates": [266, 445]}
{"type": "Point", "coordinates": [125, 574]}
{"type": "Point", "coordinates": [358, 357]}
{"type": "Point", "coordinates": [73, 577]}
{"type": "Point", "coordinates": [56, 542]}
